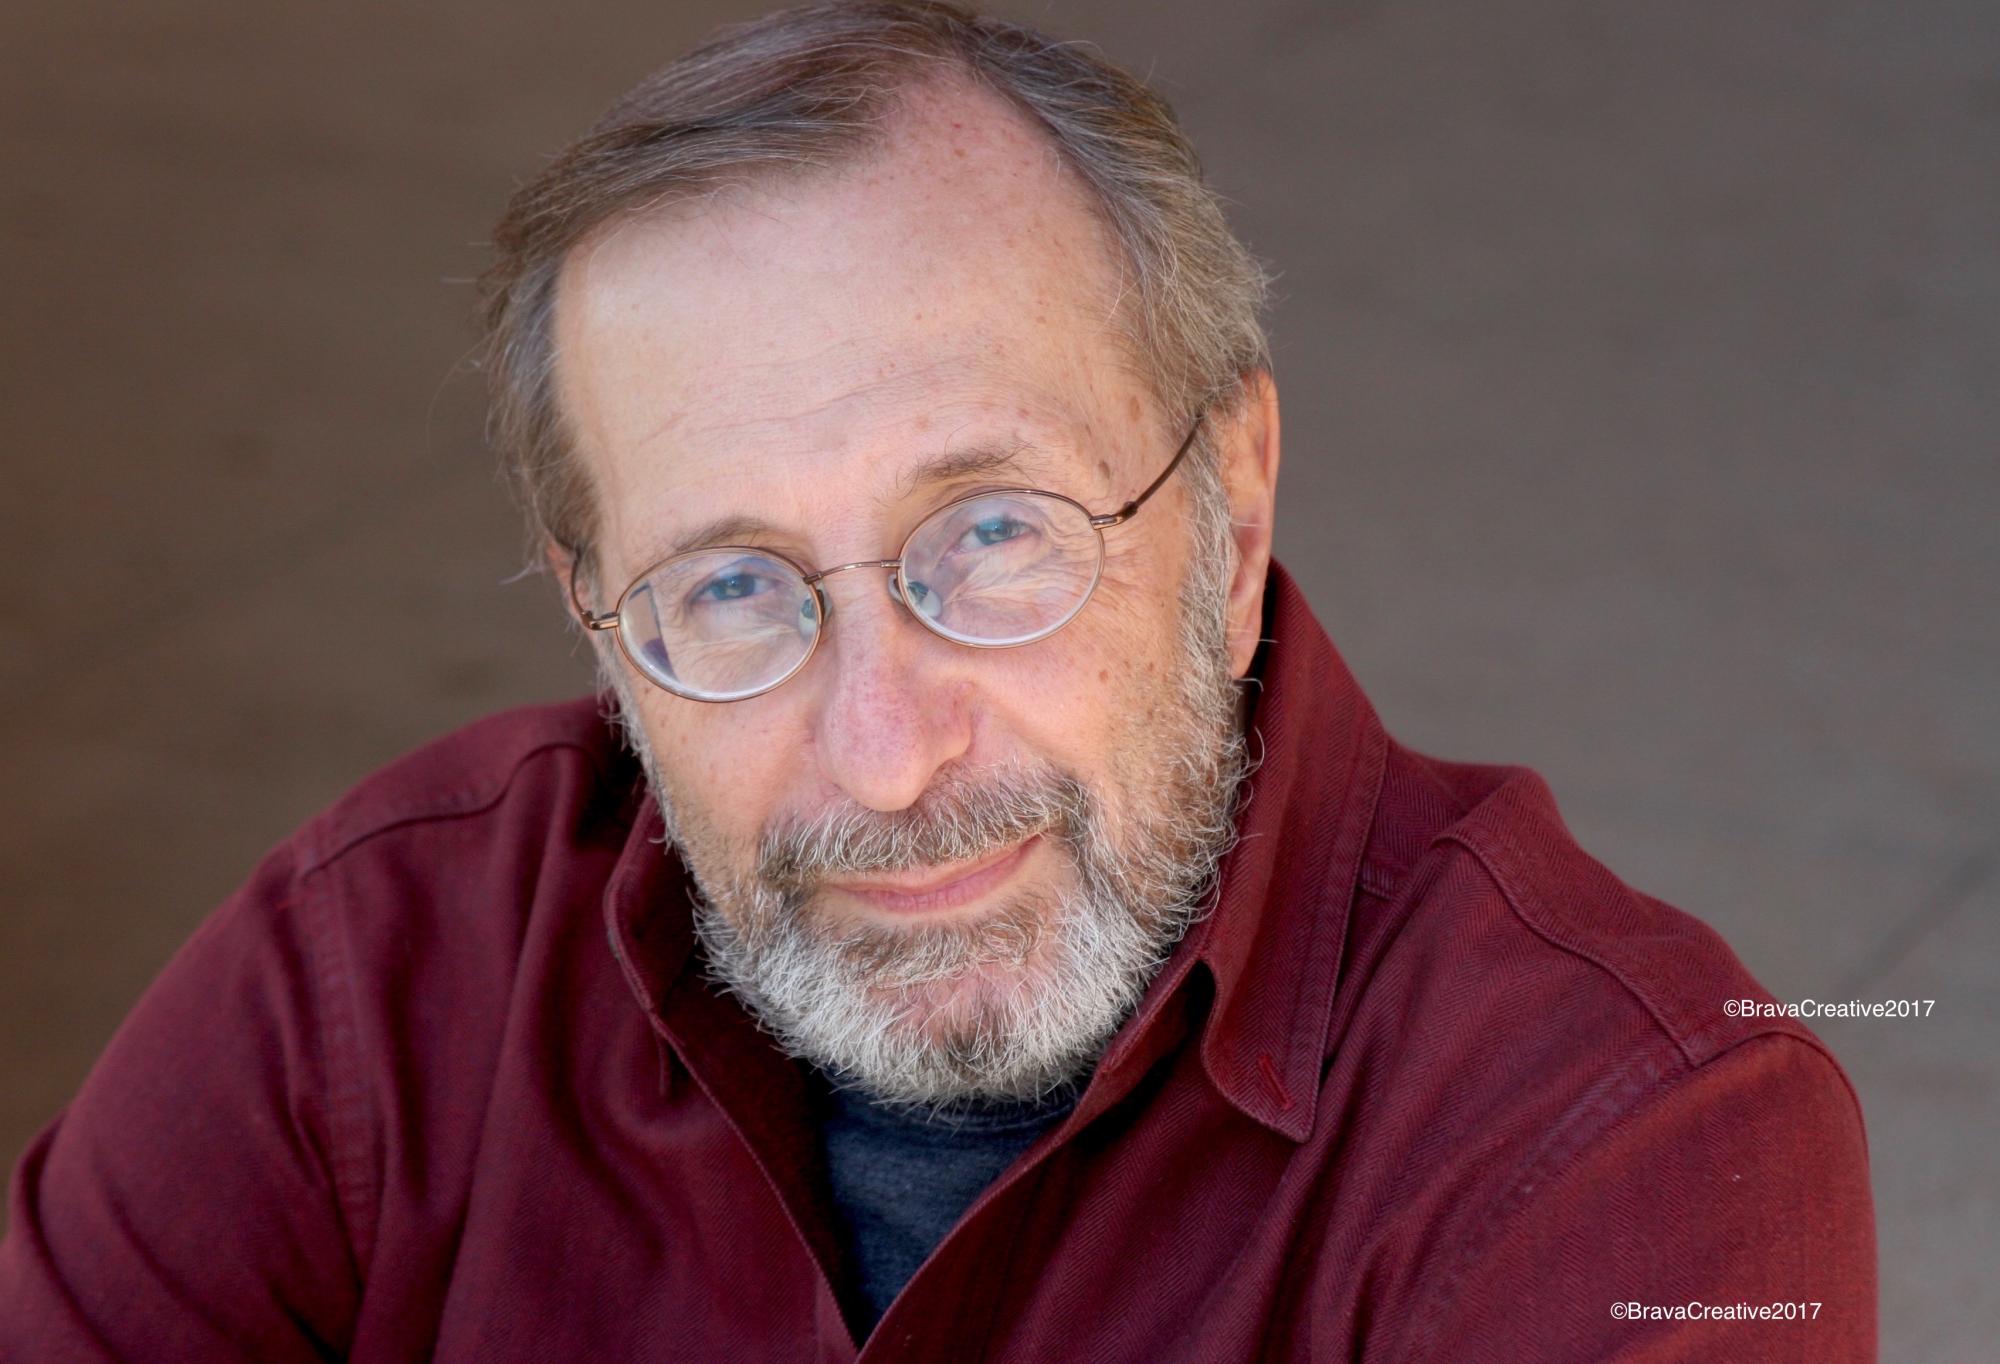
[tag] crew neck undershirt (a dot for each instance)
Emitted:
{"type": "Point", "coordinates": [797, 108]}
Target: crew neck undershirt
{"type": "Point", "coordinates": [901, 1179]}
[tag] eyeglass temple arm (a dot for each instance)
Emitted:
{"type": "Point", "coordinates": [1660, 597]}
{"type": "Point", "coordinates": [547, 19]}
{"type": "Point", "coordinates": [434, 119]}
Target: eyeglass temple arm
{"type": "Point", "coordinates": [590, 619]}
{"type": "Point", "coordinates": [1126, 512]}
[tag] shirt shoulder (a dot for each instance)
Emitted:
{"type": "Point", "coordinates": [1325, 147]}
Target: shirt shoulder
{"type": "Point", "coordinates": [1551, 1061]}
{"type": "Point", "coordinates": [510, 766]}
{"type": "Point", "coordinates": [430, 903]}
{"type": "Point", "coordinates": [1479, 854]}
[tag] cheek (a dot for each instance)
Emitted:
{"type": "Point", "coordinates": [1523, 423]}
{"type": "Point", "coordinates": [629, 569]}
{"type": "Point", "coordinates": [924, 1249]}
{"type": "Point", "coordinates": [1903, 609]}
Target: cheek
{"type": "Point", "coordinates": [719, 775]}
{"type": "Point", "coordinates": [1145, 564]}
{"type": "Point", "coordinates": [1086, 697]}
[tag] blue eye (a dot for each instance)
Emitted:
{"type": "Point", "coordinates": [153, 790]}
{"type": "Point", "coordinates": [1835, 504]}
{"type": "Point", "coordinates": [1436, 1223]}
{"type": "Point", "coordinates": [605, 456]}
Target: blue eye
{"type": "Point", "coordinates": [730, 587]}
{"type": "Point", "coordinates": [996, 530]}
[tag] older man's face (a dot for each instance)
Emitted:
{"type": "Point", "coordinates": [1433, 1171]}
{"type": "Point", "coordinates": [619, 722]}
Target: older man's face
{"type": "Point", "coordinates": [945, 870]}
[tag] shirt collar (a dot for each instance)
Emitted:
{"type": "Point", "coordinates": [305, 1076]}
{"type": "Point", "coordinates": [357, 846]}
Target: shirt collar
{"type": "Point", "coordinates": [1272, 943]}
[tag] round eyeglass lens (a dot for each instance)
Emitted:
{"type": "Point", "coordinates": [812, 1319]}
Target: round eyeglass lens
{"type": "Point", "coordinates": [1003, 568]}
{"type": "Point", "coordinates": [720, 624]}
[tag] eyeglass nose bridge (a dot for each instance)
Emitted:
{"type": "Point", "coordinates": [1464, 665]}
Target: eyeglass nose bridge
{"type": "Point", "coordinates": [813, 580]}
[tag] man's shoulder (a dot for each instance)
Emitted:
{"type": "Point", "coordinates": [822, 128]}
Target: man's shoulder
{"type": "Point", "coordinates": [526, 763]}
{"type": "Point", "coordinates": [1488, 899]}
{"type": "Point", "coordinates": [1557, 1082]}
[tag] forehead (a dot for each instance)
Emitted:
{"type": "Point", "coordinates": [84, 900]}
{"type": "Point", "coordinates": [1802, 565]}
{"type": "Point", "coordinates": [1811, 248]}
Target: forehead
{"type": "Point", "coordinates": [951, 284]}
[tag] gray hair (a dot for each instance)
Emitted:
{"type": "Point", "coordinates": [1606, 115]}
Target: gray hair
{"type": "Point", "coordinates": [806, 87]}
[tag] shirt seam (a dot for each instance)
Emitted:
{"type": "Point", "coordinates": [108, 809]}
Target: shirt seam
{"type": "Point", "coordinates": [349, 1114]}
{"type": "Point", "coordinates": [1643, 1080]}
{"type": "Point", "coordinates": [1698, 1045]}
{"type": "Point", "coordinates": [355, 1179]}
{"type": "Point", "coordinates": [1585, 1122]}
{"type": "Point", "coordinates": [1516, 903]}
{"type": "Point", "coordinates": [461, 803]}
{"type": "Point", "coordinates": [1327, 950]}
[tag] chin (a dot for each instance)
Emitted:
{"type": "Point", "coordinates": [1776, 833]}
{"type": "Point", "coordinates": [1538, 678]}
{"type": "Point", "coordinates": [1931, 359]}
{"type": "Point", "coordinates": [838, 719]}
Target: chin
{"type": "Point", "coordinates": [981, 999]}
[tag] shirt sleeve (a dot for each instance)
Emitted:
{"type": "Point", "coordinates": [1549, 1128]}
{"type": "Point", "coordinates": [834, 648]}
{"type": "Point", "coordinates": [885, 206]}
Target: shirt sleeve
{"type": "Point", "coordinates": [1726, 1216]}
{"type": "Point", "coordinates": [183, 1207]}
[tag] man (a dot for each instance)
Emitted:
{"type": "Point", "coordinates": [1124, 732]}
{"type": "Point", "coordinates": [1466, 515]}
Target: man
{"type": "Point", "coordinates": [1005, 930]}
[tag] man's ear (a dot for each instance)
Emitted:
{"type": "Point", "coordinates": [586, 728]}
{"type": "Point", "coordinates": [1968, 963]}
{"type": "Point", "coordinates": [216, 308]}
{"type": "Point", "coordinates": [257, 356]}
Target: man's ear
{"type": "Point", "coordinates": [558, 560]}
{"type": "Point", "coordinates": [1248, 450]}
{"type": "Point", "coordinates": [563, 564]}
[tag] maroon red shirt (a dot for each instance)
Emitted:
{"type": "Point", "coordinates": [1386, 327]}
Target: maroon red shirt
{"type": "Point", "coordinates": [444, 1080]}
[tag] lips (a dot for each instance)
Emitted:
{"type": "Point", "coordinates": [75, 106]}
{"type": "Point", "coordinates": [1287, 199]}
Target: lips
{"type": "Point", "coordinates": [936, 887]}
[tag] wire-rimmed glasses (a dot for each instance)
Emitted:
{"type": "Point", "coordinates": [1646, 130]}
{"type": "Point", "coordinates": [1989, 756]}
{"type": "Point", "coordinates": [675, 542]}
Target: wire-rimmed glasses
{"type": "Point", "coordinates": [992, 570]}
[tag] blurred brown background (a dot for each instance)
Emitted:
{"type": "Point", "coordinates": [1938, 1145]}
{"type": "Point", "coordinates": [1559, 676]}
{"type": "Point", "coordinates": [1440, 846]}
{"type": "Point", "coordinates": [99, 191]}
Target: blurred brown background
{"type": "Point", "coordinates": [1668, 333]}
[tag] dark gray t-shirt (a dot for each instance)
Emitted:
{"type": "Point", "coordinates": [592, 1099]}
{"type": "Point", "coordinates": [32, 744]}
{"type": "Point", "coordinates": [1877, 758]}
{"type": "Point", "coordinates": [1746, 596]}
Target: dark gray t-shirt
{"type": "Point", "coordinates": [900, 1182]}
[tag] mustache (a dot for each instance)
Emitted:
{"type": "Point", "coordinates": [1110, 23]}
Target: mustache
{"type": "Point", "coordinates": [963, 815]}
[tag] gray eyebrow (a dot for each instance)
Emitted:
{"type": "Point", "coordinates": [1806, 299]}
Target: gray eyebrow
{"type": "Point", "coordinates": [1020, 460]}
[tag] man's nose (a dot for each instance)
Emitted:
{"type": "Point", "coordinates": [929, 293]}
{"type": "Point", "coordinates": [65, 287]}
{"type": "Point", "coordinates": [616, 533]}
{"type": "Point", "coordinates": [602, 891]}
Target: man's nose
{"type": "Point", "coordinates": [891, 704]}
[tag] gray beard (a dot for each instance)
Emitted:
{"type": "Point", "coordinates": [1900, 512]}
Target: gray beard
{"type": "Point", "coordinates": [1019, 1004]}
